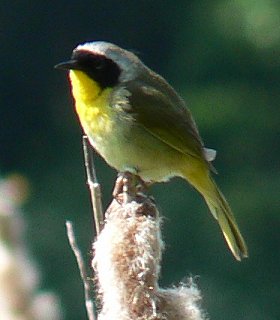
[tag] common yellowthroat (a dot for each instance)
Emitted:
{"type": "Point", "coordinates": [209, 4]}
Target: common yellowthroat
{"type": "Point", "coordinates": [138, 123]}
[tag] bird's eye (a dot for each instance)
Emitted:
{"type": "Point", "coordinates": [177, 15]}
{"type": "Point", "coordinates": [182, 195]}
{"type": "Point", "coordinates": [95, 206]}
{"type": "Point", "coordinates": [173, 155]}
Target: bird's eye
{"type": "Point", "coordinates": [100, 64]}
{"type": "Point", "coordinates": [98, 67]}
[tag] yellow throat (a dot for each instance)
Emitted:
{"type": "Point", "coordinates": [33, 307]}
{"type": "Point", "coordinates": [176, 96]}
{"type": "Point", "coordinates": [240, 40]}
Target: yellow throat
{"type": "Point", "coordinates": [91, 104]}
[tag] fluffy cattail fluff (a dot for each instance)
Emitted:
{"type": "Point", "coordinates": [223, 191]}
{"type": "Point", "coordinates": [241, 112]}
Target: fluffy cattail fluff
{"type": "Point", "coordinates": [127, 265]}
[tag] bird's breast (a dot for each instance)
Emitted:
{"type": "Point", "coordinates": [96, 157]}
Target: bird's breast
{"type": "Point", "coordinates": [124, 144]}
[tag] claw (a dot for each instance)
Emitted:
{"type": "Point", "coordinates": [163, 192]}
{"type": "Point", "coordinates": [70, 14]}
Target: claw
{"type": "Point", "coordinates": [128, 186]}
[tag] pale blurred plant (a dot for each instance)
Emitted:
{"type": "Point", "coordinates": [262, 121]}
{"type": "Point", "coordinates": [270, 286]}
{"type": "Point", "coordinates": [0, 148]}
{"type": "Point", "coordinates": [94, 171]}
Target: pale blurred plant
{"type": "Point", "coordinates": [20, 298]}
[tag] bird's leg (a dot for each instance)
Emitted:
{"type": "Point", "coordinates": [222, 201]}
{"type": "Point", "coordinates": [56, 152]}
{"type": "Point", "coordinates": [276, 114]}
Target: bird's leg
{"type": "Point", "coordinates": [121, 183]}
{"type": "Point", "coordinates": [118, 188]}
{"type": "Point", "coordinates": [142, 186]}
{"type": "Point", "coordinates": [128, 186]}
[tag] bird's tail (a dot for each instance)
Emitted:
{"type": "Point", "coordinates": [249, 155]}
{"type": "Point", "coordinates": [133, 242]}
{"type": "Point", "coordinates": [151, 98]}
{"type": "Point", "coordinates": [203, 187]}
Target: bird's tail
{"type": "Point", "coordinates": [221, 211]}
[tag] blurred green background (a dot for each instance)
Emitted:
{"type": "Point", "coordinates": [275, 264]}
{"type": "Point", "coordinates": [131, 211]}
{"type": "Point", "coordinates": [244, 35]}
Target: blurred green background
{"type": "Point", "coordinates": [223, 57]}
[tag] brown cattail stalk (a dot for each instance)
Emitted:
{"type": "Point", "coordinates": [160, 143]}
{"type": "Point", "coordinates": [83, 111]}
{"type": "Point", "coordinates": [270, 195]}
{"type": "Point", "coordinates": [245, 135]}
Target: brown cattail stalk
{"type": "Point", "coordinates": [127, 257]}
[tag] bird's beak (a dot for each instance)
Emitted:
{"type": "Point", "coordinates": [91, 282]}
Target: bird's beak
{"type": "Point", "coordinates": [67, 65]}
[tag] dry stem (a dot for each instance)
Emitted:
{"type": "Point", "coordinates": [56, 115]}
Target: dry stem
{"type": "Point", "coordinates": [94, 186]}
{"type": "Point", "coordinates": [80, 261]}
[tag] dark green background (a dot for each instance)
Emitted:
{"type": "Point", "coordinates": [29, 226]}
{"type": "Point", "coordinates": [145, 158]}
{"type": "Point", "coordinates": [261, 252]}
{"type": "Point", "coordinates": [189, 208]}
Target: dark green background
{"type": "Point", "coordinates": [223, 57]}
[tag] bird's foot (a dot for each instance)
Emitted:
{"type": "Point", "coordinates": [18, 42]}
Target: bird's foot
{"type": "Point", "coordinates": [129, 186]}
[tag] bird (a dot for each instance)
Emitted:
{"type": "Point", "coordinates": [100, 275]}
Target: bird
{"type": "Point", "coordinates": [139, 124]}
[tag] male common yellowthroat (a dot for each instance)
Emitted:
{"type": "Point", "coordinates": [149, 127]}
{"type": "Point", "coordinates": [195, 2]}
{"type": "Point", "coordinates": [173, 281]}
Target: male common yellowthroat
{"type": "Point", "coordinates": [138, 123]}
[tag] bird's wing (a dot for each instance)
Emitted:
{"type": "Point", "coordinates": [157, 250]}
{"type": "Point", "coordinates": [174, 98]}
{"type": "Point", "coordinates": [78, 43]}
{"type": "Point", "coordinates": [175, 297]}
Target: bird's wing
{"type": "Point", "coordinates": [170, 122]}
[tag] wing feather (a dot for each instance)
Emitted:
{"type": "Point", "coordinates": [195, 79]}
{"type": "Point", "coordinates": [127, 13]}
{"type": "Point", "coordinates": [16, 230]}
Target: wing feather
{"type": "Point", "coordinates": [162, 112]}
